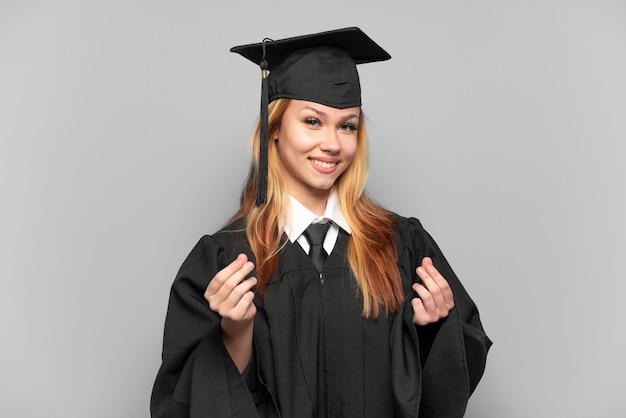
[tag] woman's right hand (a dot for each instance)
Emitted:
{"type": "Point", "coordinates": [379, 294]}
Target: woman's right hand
{"type": "Point", "coordinates": [230, 295]}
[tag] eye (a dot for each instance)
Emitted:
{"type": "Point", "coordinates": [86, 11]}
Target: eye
{"type": "Point", "coordinates": [313, 122]}
{"type": "Point", "coordinates": [349, 127]}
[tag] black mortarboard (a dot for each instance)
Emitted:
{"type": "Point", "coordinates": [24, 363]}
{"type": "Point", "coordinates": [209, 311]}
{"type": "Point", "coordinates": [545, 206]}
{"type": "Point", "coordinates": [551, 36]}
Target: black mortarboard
{"type": "Point", "coordinates": [319, 68]}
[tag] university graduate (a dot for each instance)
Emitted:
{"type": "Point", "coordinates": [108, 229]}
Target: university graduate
{"type": "Point", "coordinates": [313, 300]}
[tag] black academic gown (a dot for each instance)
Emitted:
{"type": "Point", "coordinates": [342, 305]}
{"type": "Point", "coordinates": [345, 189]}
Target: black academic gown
{"type": "Point", "coordinates": [314, 355]}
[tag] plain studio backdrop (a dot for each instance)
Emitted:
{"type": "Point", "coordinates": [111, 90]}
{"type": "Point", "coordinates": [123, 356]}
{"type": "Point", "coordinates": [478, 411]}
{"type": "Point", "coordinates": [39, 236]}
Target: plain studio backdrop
{"type": "Point", "coordinates": [124, 131]}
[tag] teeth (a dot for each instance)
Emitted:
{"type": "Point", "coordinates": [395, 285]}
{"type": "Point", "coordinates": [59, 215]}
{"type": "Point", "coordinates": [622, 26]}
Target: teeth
{"type": "Point", "coordinates": [324, 164]}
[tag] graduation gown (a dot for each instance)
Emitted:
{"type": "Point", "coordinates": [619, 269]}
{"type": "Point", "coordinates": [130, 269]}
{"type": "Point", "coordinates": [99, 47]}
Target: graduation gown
{"type": "Point", "coordinates": [314, 355]}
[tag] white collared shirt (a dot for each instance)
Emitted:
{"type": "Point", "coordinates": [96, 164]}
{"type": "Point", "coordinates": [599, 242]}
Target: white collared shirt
{"type": "Point", "coordinates": [299, 218]}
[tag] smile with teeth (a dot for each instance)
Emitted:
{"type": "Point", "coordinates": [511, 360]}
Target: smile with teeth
{"type": "Point", "coordinates": [324, 164]}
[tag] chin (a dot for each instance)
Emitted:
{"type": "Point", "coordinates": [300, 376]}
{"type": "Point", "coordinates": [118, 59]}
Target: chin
{"type": "Point", "coordinates": [326, 190]}
{"type": "Point", "coordinates": [323, 187]}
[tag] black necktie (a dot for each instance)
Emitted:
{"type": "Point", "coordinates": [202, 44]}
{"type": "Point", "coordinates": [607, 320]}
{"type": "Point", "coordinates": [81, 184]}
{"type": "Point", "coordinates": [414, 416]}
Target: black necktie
{"type": "Point", "coordinates": [315, 234]}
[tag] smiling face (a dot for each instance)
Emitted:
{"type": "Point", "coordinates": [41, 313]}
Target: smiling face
{"type": "Point", "coordinates": [315, 145]}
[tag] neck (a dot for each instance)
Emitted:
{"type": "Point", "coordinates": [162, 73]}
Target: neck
{"type": "Point", "coordinates": [315, 201]}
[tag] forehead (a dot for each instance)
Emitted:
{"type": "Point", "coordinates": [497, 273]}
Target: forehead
{"type": "Point", "coordinates": [305, 106]}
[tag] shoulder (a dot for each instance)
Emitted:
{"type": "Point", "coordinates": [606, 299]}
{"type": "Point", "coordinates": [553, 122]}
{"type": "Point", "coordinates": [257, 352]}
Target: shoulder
{"type": "Point", "coordinates": [407, 227]}
{"type": "Point", "coordinates": [230, 235]}
{"type": "Point", "coordinates": [210, 254]}
{"type": "Point", "coordinates": [216, 250]}
{"type": "Point", "coordinates": [229, 240]}
{"type": "Point", "coordinates": [412, 237]}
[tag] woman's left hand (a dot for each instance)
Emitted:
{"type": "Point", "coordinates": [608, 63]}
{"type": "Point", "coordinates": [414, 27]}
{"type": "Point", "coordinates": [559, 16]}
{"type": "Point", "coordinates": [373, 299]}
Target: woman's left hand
{"type": "Point", "coordinates": [435, 299]}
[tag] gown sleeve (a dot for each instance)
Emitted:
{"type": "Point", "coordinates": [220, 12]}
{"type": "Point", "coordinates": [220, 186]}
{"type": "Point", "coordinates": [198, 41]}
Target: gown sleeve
{"type": "Point", "coordinates": [455, 349]}
{"type": "Point", "coordinates": [197, 374]}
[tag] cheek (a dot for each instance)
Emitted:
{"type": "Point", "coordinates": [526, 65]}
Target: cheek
{"type": "Point", "coordinates": [289, 152]}
{"type": "Point", "coordinates": [292, 139]}
{"type": "Point", "coordinates": [350, 148]}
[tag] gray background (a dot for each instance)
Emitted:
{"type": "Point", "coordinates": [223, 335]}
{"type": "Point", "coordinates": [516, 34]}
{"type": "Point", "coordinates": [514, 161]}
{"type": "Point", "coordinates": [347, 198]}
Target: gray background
{"type": "Point", "coordinates": [124, 128]}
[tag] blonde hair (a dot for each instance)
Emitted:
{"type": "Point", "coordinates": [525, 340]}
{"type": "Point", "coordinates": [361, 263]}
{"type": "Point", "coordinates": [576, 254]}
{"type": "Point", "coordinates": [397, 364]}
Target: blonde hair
{"type": "Point", "coordinates": [372, 251]}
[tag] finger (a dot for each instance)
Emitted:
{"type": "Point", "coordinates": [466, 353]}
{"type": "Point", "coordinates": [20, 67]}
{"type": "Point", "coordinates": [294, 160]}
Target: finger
{"type": "Point", "coordinates": [235, 304]}
{"type": "Point", "coordinates": [427, 261]}
{"type": "Point", "coordinates": [435, 308]}
{"type": "Point", "coordinates": [239, 292]}
{"type": "Point", "coordinates": [218, 280]}
{"type": "Point", "coordinates": [431, 284]}
{"type": "Point", "coordinates": [441, 282]}
{"type": "Point", "coordinates": [232, 268]}
{"type": "Point", "coordinates": [243, 307]}
{"type": "Point", "coordinates": [425, 297]}
{"type": "Point", "coordinates": [420, 315]}
{"type": "Point", "coordinates": [247, 304]}
{"type": "Point", "coordinates": [227, 278]}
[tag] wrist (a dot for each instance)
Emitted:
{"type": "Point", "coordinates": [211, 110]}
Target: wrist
{"type": "Point", "coordinates": [236, 329]}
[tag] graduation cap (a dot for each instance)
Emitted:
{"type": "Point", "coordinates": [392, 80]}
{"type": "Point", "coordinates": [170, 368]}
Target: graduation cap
{"type": "Point", "coordinates": [319, 68]}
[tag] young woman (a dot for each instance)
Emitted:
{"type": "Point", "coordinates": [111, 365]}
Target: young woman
{"type": "Point", "coordinates": [365, 320]}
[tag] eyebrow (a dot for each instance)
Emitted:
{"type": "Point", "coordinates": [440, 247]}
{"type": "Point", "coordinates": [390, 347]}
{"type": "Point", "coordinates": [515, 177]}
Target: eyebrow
{"type": "Point", "coordinates": [322, 113]}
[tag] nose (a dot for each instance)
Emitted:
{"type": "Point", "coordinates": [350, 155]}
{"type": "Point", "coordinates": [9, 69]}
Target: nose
{"type": "Point", "coordinates": [330, 142]}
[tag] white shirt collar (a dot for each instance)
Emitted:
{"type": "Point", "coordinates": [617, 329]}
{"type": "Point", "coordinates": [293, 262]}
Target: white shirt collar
{"type": "Point", "coordinates": [299, 217]}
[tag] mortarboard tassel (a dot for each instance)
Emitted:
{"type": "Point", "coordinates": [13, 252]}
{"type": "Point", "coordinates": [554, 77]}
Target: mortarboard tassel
{"type": "Point", "coordinates": [261, 192]}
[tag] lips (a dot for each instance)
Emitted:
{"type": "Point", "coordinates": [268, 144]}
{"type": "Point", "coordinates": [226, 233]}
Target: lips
{"type": "Point", "coordinates": [324, 164]}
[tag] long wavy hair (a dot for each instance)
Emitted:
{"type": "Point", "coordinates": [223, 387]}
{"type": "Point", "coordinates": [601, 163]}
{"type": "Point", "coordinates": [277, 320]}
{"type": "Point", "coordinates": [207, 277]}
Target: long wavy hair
{"type": "Point", "coordinates": [372, 251]}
